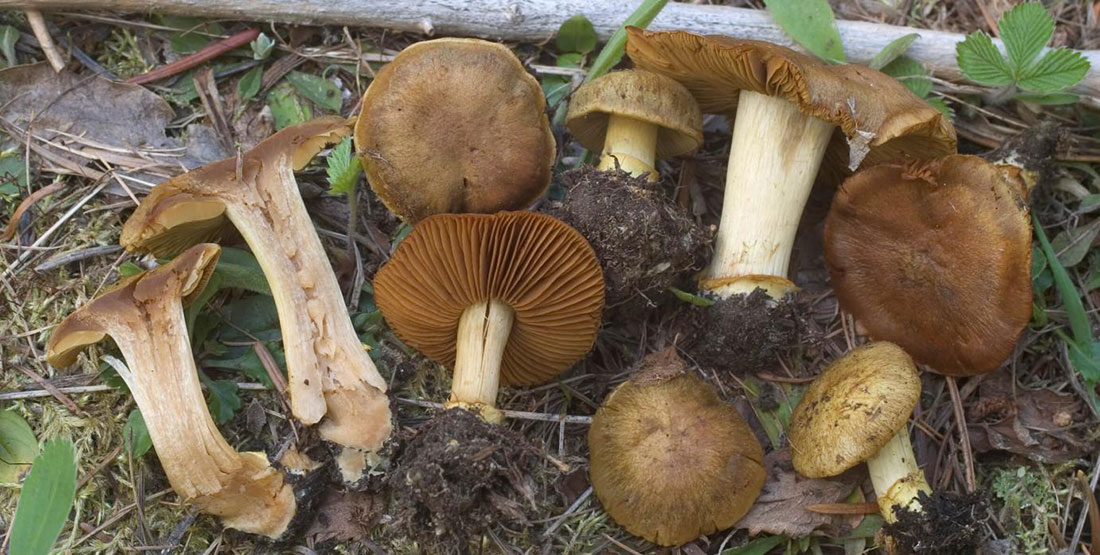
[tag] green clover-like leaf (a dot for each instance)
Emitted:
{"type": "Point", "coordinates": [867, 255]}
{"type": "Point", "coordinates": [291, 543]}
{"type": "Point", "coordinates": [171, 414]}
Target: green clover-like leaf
{"type": "Point", "coordinates": [981, 62]}
{"type": "Point", "coordinates": [1025, 30]}
{"type": "Point", "coordinates": [1057, 70]}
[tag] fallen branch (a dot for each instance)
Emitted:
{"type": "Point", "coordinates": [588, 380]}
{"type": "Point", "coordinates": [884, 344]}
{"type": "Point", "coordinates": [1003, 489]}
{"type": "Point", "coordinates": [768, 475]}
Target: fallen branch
{"type": "Point", "coordinates": [537, 20]}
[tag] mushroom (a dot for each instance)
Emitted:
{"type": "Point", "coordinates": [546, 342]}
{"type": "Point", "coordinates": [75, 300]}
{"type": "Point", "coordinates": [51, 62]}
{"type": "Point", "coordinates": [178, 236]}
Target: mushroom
{"type": "Point", "coordinates": [455, 125]}
{"type": "Point", "coordinates": [512, 298]}
{"type": "Point", "coordinates": [856, 411]}
{"type": "Point", "coordinates": [330, 375]}
{"type": "Point", "coordinates": [144, 316]}
{"type": "Point", "coordinates": [936, 257]}
{"type": "Point", "coordinates": [788, 112]}
{"type": "Point", "coordinates": [670, 461]}
{"type": "Point", "coordinates": [635, 117]}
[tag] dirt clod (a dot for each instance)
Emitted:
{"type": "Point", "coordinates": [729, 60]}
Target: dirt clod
{"type": "Point", "coordinates": [946, 525]}
{"type": "Point", "coordinates": [460, 475]}
{"type": "Point", "coordinates": [742, 334]}
{"type": "Point", "coordinates": [644, 241]}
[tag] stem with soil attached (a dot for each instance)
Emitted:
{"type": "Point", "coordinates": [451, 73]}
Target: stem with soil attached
{"type": "Point", "coordinates": [897, 479]}
{"type": "Point", "coordinates": [631, 145]}
{"type": "Point", "coordinates": [483, 333]}
{"type": "Point", "coordinates": [774, 158]}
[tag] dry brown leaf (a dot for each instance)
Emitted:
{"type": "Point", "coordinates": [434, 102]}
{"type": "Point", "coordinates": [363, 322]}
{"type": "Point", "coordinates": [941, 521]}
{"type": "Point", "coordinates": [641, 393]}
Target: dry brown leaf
{"type": "Point", "coordinates": [781, 507]}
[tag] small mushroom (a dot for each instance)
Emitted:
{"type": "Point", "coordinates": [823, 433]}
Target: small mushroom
{"type": "Point", "coordinates": [635, 117]}
{"type": "Point", "coordinates": [144, 316]}
{"type": "Point", "coordinates": [512, 298]}
{"type": "Point", "coordinates": [856, 411]}
{"type": "Point", "coordinates": [670, 461]}
{"type": "Point", "coordinates": [936, 257]}
{"type": "Point", "coordinates": [330, 375]}
{"type": "Point", "coordinates": [789, 112]}
{"type": "Point", "coordinates": [455, 125]}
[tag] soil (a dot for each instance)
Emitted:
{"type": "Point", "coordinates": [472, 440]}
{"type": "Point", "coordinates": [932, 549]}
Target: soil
{"type": "Point", "coordinates": [947, 525]}
{"type": "Point", "coordinates": [644, 241]}
{"type": "Point", "coordinates": [742, 334]}
{"type": "Point", "coordinates": [459, 476]}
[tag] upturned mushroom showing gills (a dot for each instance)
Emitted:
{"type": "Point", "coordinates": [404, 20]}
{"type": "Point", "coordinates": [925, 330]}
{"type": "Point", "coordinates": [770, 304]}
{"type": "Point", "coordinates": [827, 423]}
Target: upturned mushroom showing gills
{"type": "Point", "coordinates": [857, 411]}
{"type": "Point", "coordinates": [330, 375]}
{"type": "Point", "coordinates": [670, 461]}
{"type": "Point", "coordinates": [634, 117]}
{"type": "Point", "coordinates": [511, 298]}
{"type": "Point", "coordinates": [936, 257]}
{"type": "Point", "coordinates": [455, 125]}
{"type": "Point", "coordinates": [143, 314]}
{"type": "Point", "coordinates": [789, 113]}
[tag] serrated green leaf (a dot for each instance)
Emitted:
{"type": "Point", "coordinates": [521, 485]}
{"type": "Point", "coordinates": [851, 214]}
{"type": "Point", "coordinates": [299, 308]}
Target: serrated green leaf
{"type": "Point", "coordinates": [690, 298]}
{"type": "Point", "coordinates": [891, 51]}
{"type": "Point", "coordinates": [576, 34]}
{"type": "Point", "coordinates": [249, 85]}
{"type": "Point", "coordinates": [912, 74]}
{"type": "Point", "coordinates": [942, 106]}
{"type": "Point", "coordinates": [8, 37]}
{"type": "Point", "coordinates": [46, 500]}
{"type": "Point", "coordinates": [613, 51]}
{"type": "Point", "coordinates": [1025, 30]}
{"type": "Point", "coordinates": [17, 446]}
{"type": "Point", "coordinates": [223, 401]}
{"type": "Point", "coordinates": [135, 434]}
{"type": "Point", "coordinates": [322, 92]}
{"type": "Point", "coordinates": [981, 62]}
{"type": "Point", "coordinates": [1057, 70]}
{"type": "Point", "coordinates": [343, 168]}
{"type": "Point", "coordinates": [1049, 99]}
{"type": "Point", "coordinates": [286, 110]}
{"type": "Point", "coordinates": [810, 23]}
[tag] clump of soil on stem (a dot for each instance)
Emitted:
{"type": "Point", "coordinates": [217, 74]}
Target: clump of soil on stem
{"type": "Point", "coordinates": [644, 241]}
{"type": "Point", "coordinates": [947, 524]}
{"type": "Point", "coordinates": [742, 334]}
{"type": "Point", "coordinates": [459, 476]}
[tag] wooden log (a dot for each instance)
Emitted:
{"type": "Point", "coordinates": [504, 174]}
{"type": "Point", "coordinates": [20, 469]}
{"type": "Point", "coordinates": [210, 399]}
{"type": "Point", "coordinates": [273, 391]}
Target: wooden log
{"type": "Point", "coordinates": [537, 20]}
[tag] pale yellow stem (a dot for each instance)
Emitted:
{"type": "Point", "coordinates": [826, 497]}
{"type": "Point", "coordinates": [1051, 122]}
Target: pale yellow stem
{"type": "Point", "coordinates": [632, 143]}
{"type": "Point", "coordinates": [897, 479]}
{"type": "Point", "coordinates": [483, 332]}
{"type": "Point", "coordinates": [774, 158]}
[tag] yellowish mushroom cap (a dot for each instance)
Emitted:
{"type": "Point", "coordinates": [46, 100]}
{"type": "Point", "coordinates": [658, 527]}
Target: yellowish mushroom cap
{"type": "Point", "coordinates": [642, 95]}
{"type": "Point", "coordinates": [853, 409]}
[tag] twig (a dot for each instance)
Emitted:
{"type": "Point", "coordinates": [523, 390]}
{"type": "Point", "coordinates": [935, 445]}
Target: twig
{"type": "Point", "coordinates": [76, 390]}
{"type": "Point", "coordinates": [76, 256]}
{"type": "Point", "coordinates": [1081, 520]}
{"type": "Point", "coordinates": [522, 415]}
{"type": "Point", "coordinates": [15, 265]}
{"type": "Point", "coordinates": [45, 41]}
{"type": "Point", "coordinates": [205, 54]}
{"type": "Point", "coordinates": [845, 508]}
{"type": "Point", "coordinates": [13, 223]}
{"type": "Point", "coordinates": [964, 436]}
{"type": "Point", "coordinates": [572, 509]}
{"type": "Point", "coordinates": [91, 473]}
{"type": "Point", "coordinates": [56, 393]}
{"type": "Point", "coordinates": [116, 517]}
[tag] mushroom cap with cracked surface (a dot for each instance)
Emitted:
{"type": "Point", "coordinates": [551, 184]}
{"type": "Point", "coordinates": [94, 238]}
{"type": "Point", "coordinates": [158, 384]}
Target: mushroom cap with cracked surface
{"type": "Point", "coordinates": [670, 461]}
{"type": "Point", "coordinates": [642, 95]}
{"type": "Point", "coordinates": [539, 266]}
{"type": "Point", "coordinates": [455, 125]}
{"type": "Point", "coordinates": [936, 257]}
{"type": "Point", "coordinates": [853, 409]}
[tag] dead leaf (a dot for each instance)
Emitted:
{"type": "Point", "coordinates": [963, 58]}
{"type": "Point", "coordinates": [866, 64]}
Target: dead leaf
{"type": "Point", "coordinates": [88, 119]}
{"type": "Point", "coordinates": [345, 516]}
{"type": "Point", "coordinates": [781, 507]}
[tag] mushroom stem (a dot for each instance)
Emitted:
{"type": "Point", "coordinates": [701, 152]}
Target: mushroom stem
{"type": "Point", "coordinates": [774, 157]}
{"type": "Point", "coordinates": [632, 144]}
{"type": "Point", "coordinates": [896, 477]}
{"type": "Point", "coordinates": [483, 333]}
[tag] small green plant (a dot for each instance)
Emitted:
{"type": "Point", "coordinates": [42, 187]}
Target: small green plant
{"type": "Point", "coordinates": [46, 499]}
{"type": "Point", "coordinates": [343, 168]}
{"type": "Point", "coordinates": [1025, 30]}
{"type": "Point", "coordinates": [1030, 502]}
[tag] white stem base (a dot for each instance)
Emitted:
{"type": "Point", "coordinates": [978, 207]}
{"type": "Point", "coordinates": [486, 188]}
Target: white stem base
{"type": "Point", "coordinates": [632, 145]}
{"type": "Point", "coordinates": [897, 479]}
{"type": "Point", "coordinates": [483, 332]}
{"type": "Point", "coordinates": [774, 158]}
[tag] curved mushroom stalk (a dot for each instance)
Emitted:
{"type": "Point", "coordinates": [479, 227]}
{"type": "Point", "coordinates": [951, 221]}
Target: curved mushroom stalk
{"type": "Point", "coordinates": [897, 479]}
{"type": "Point", "coordinates": [144, 316]}
{"type": "Point", "coordinates": [331, 377]}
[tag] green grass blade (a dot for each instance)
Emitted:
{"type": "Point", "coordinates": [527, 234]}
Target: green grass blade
{"type": "Point", "coordinates": [1075, 309]}
{"type": "Point", "coordinates": [46, 500]}
{"type": "Point", "coordinates": [613, 51]}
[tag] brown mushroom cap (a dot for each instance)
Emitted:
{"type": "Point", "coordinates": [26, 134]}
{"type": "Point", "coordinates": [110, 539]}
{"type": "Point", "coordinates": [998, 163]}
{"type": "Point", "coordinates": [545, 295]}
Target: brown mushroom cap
{"type": "Point", "coordinates": [188, 274]}
{"type": "Point", "coordinates": [670, 461]}
{"type": "Point", "coordinates": [642, 95]}
{"type": "Point", "coordinates": [536, 264]}
{"type": "Point", "coordinates": [936, 257]}
{"type": "Point", "coordinates": [190, 208]}
{"type": "Point", "coordinates": [853, 409]}
{"type": "Point", "coordinates": [455, 125]}
{"type": "Point", "coordinates": [872, 109]}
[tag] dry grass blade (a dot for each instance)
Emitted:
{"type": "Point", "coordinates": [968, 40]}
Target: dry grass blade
{"type": "Point", "coordinates": [34, 197]}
